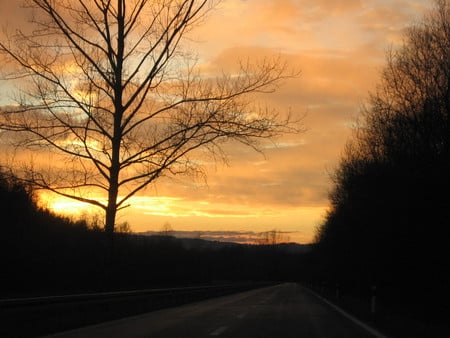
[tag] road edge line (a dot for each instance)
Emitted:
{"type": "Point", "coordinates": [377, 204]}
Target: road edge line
{"type": "Point", "coordinates": [365, 326]}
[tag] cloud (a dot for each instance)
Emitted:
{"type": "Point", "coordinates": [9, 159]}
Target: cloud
{"type": "Point", "coordinates": [339, 46]}
{"type": "Point", "coordinates": [303, 24]}
{"type": "Point", "coordinates": [295, 173]}
{"type": "Point", "coordinates": [12, 11]}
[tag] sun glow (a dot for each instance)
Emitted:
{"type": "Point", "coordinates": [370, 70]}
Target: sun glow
{"type": "Point", "coordinates": [149, 213]}
{"type": "Point", "coordinates": [65, 206]}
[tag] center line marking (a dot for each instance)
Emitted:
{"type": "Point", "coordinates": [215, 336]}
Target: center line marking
{"type": "Point", "coordinates": [219, 331]}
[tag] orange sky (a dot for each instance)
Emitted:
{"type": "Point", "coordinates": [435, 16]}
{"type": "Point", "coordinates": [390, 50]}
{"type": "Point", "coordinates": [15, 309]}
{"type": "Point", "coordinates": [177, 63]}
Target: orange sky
{"type": "Point", "coordinates": [339, 46]}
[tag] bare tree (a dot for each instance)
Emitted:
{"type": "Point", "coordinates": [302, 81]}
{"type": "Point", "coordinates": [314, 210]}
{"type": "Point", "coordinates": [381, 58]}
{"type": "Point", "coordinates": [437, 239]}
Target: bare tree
{"type": "Point", "coordinates": [166, 230]}
{"type": "Point", "coordinates": [408, 116]}
{"type": "Point", "coordinates": [272, 237]}
{"type": "Point", "coordinates": [111, 90]}
{"type": "Point", "coordinates": [391, 187]}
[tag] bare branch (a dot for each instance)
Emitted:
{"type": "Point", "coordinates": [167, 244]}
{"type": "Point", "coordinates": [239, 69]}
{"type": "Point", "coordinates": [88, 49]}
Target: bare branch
{"type": "Point", "coordinates": [109, 89]}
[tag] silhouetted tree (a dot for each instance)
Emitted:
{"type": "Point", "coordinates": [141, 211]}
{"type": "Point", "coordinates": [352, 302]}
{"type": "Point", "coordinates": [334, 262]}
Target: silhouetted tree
{"type": "Point", "coordinates": [408, 116]}
{"type": "Point", "coordinates": [388, 219]}
{"type": "Point", "coordinates": [272, 237]}
{"type": "Point", "coordinates": [166, 229]}
{"type": "Point", "coordinates": [110, 90]}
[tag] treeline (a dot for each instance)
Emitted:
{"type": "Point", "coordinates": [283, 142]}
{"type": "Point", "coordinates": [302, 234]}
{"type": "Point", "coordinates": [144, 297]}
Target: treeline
{"type": "Point", "coordinates": [44, 254]}
{"type": "Point", "coordinates": [389, 220]}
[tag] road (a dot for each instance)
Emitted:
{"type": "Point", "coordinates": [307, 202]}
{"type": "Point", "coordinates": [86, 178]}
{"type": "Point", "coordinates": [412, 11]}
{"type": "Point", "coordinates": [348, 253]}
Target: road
{"type": "Point", "coordinates": [285, 310]}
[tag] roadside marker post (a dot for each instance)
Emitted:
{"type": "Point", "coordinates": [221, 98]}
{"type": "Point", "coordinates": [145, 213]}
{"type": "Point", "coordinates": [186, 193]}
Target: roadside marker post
{"type": "Point", "coordinates": [373, 301]}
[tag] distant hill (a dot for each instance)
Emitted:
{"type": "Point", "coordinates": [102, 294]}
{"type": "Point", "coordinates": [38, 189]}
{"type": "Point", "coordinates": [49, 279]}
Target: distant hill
{"type": "Point", "coordinates": [295, 248]}
{"type": "Point", "coordinates": [212, 240]}
{"type": "Point", "coordinates": [241, 237]}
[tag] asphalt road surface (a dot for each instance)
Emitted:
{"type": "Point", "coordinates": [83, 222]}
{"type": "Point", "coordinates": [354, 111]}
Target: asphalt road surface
{"type": "Point", "coordinates": [285, 310]}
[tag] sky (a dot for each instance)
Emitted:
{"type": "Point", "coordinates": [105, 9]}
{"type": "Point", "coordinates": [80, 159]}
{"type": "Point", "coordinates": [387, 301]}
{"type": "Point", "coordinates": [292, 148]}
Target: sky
{"type": "Point", "coordinates": [339, 47]}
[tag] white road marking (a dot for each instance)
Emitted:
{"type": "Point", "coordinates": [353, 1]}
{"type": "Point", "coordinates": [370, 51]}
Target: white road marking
{"type": "Point", "coordinates": [219, 331]}
{"type": "Point", "coordinates": [374, 332]}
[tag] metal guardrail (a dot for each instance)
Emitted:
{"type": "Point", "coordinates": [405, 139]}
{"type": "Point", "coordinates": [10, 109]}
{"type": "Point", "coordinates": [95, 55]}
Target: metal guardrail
{"type": "Point", "coordinates": [18, 302]}
{"type": "Point", "coordinates": [13, 302]}
{"type": "Point", "coordinates": [45, 315]}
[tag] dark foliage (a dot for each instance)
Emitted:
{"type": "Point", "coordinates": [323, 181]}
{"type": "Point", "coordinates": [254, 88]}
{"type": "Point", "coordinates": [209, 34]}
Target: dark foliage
{"type": "Point", "coordinates": [389, 221]}
{"type": "Point", "coordinates": [45, 254]}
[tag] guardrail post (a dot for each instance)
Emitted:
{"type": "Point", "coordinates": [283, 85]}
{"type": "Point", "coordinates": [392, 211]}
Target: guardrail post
{"type": "Point", "coordinates": [337, 291]}
{"type": "Point", "coordinates": [373, 301]}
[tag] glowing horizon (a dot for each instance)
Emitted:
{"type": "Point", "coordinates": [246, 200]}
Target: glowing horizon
{"type": "Point", "coordinates": [185, 215]}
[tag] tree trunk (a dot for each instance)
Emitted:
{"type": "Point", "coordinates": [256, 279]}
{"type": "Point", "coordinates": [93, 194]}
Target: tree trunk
{"type": "Point", "coordinates": [111, 210]}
